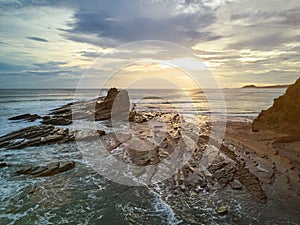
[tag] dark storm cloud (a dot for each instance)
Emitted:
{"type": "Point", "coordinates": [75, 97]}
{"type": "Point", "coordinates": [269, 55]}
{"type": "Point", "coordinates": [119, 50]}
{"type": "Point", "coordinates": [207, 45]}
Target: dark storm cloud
{"type": "Point", "coordinates": [176, 29]}
{"type": "Point", "coordinates": [37, 39]}
{"type": "Point", "coordinates": [123, 24]}
{"type": "Point", "coordinates": [115, 22]}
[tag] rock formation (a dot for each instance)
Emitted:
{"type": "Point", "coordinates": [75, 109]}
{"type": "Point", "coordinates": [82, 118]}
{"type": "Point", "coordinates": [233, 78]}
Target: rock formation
{"type": "Point", "coordinates": [48, 170]}
{"type": "Point", "coordinates": [28, 117]}
{"type": "Point", "coordinates": [45, 135]}
{"type": "Point", "coordinates": [101, 108]}
{"type": "Point", "coordinates": [154, 145]}
{"type": "Point", "coordinates": [284, 115]}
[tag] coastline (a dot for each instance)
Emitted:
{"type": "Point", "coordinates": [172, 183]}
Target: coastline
{"type": "Point", "coordinates": [247, 163]}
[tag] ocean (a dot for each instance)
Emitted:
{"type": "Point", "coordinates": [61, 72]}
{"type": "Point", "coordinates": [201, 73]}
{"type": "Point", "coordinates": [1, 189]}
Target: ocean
{"type": "Point", "coordinates": [82, 196]}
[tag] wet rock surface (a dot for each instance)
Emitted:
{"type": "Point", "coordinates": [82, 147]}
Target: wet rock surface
{"type": "Point", "coordinates": [35, 136]}
{"type": "Point", "coordinates": [50, 169]}
{"type": "Point", "coordinates": [147, 144]}
{"type": "Point", "coordinates": [271, 156]}
{"type": "Point", "coordinates": [45, 135]}
{"type": "Point", "coordinates": [157, 142]}
{"type": "Point", "coordinates": [28, 117]}
{"type": "Point", "coordinates": [101, 108]}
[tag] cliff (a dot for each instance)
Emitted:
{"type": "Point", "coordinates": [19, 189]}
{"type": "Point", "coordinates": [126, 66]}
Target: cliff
{"type": "Point", "coordinates": [284, 115]}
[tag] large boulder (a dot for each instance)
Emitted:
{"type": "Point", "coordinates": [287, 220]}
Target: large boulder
{"type": "Point", "coordinates": [284, 115]}
{"type": "Point", "coordinates": [115, 104]}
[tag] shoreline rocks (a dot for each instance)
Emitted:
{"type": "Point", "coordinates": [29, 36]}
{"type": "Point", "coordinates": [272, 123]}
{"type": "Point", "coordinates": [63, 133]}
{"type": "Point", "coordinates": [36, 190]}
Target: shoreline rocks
{"type": "Point", "coordinates": [44, 135]}
{"type": "Point", "coordinates": [284, 115]}
{"type": "Point", "coordinates": [35, 136]}
{"type": "Point", "coordinates": [50, 169]}
{"type": "Point", "coordinates": [145, 146]}
{"type": "Point", "coordinates": [115, 104]}
{"type": "Point", "coordinates": [28, 117]}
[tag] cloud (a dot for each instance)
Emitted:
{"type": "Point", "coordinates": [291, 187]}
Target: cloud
{"type": "Point", "coordinates": [90, 54]}
{"type": "Point", "coordinates": [289, 17]}
{"type": "Point", "coordinates": [257, 24]}
{"type": "Point", "coordinates": [234, 38]}
{"type": "Point", "coordinates": [50, 64]}
{"type": "Point", "coordinates": [51, 69]}
{"type": "Point", "coordinates": [9, 67]}
{"type": "Point", "coordinates": [263, 38]}
{"type": "Point", "coordinates": [140, 20]}
{"type": "Point", "coordinates": [46, 72]}
{"type": "Point", "coordinates": [37, 39]}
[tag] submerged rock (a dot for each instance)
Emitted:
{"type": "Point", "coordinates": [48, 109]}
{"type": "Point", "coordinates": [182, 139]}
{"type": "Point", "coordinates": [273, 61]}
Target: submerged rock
{"type": "Point", "coordinates": [61, 121]}
{"type": "Point", "coordinates": [44, 135]}
{"type": "Point", "coordinates": [28, 117]}
{"type": "Point", "coordinates": [35, 136]}
{"type": "Point", "coordinates": [3, 164]}
{"type": "Point", "coordinates": [48, 170]}
{"type": "Point", "coordinates": [284, 115]}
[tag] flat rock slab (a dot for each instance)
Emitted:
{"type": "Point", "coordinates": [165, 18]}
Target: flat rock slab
{"type": "Point", "coordinates": [50, 169]}
{"type": "Point", "coordinates": [44, 135]}
{"type": "Point", "coordinates": [28, 117]}
{"type": "Point", "coordinates": [35, 136]}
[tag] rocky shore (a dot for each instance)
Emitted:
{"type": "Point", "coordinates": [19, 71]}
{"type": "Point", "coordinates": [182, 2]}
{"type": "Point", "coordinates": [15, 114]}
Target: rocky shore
{"type": "Point", "coordinates": [261, 163]}
{"type": "Point", "coordinates": [284, 115]}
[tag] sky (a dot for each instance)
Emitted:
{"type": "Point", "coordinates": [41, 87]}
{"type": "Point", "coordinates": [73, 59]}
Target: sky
{"type": "Point", "coordinates": [71, 43]}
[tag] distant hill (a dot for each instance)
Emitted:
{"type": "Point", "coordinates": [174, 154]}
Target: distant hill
{"type": "Point", "coordinates": [269, 86]}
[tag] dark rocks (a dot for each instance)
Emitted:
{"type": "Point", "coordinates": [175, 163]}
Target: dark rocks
{"type": "Point", "coordinates": [142, 153]}
{"type": "Point", "coordinates": [283, 116]}
{"type": "Point", "coordinates": [114, 106]}
{"type": "Point", "coordinates": [223, 172]}
{"type": "Point", "coordinates": [49, 170]}
{"type": "Point", "coordinates": [146, 144]}
{"type": "Point", "coordinates": [44, 135]}
{"type": "Point", "coordinates": [3, 164]}
{"type": "Point", "coordinates": [244, 176]}
{"type": "Point", "coordinates": [35, 136]}
{"type": "Point", "coordinates": [28, 117]}
{"type": "Point", "coordinates": [251, 182]}
{"type": "Point", "coordinates": [61, 121]}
